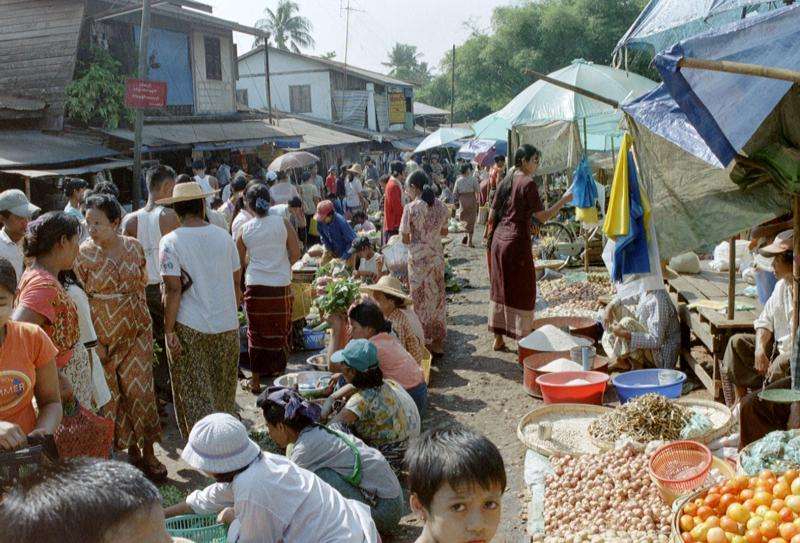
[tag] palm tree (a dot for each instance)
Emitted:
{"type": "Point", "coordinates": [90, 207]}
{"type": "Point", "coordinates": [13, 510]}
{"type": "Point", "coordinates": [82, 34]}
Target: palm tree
{"type": "Point", "coordinates": [288, 29]}
{"type": "Point", "coordinates": [404, 63]}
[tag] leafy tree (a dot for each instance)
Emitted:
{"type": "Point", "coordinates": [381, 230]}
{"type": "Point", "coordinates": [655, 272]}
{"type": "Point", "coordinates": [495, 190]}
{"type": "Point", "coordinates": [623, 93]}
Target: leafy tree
{"type": "Point", "coordinates": [96, 97]}
{"type": "Point", "coordinates": [543, 36]}
{"type": "Point", "coordinates": [404, 63]}
{"type": "Point", "coordinates": [288, 29]}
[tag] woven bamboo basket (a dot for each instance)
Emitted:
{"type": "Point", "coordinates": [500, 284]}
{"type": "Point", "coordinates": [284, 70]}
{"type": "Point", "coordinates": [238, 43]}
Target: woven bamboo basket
{"type": "Point", "coordinates": [721, 428]}
{"type": "Point", "coordinates": [677, 508]}
{"type": "Point", "coordinates": [567, 410]}
{"type": "Point", "coordinates": [746, 451]}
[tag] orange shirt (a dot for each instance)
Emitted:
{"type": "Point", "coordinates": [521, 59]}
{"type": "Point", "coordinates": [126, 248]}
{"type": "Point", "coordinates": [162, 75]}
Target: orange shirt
{"type": "Point", "coordinates": [396, 363]}
{"type": "Point", "coordinates": [25, 349]}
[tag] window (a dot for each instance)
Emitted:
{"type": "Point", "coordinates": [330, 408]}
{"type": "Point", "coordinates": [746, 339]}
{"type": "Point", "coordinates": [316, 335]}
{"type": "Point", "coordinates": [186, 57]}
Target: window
{"type": "Point", "coordinates": [241, 97]}
{"type": "Point", "coordinates": [213, 59]}
{"type": "Point", "coordinates": [300, 98]}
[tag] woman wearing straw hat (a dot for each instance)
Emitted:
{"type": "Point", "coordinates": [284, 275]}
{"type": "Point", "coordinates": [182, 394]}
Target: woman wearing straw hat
{"type": "Point", "coordinates": [395, 305]}
{"type": "Point", "coordinates": [200, 267]}
{"type": "Point", "coordinates": [265, 497]}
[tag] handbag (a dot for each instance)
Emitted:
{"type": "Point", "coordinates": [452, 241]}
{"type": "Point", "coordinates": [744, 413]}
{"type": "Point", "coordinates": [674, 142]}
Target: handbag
{"type": "Point", "coordinates": [82, 433]}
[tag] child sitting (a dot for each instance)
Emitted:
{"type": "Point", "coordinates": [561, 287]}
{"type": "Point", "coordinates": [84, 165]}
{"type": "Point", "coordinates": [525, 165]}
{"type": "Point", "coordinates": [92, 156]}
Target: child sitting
{"type": "Point", "coordinates": [361, 224]}
{"type": "Point", "coordinates": [263, 496]}
{"type": "Point", "coordinates": [343, 461]}
{"type": "Point", "coordinates": [369, 263]}
{"type": "Point", "coordinates": [456, 479]}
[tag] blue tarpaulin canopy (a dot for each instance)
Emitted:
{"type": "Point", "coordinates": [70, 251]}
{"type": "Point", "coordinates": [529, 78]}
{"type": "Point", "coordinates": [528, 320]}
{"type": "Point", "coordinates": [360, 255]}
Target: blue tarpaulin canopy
{"type": "Point", "coordinates": [727, 109]}
{"type": "Point", "coordinates": [664, 22]}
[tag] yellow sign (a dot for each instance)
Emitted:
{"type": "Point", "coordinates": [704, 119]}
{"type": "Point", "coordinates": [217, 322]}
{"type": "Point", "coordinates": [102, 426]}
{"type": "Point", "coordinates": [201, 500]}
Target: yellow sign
{"type": "Point", "coordinates": [397, 108]}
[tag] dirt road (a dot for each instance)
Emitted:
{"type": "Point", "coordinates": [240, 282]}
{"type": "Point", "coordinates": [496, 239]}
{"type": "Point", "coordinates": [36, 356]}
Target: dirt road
{"type": "Point", "coordinates": [471, 385]}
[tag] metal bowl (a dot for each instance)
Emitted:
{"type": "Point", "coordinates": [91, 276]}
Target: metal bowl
{"type": "Point", "coordinates": [307, 383]}
{"type": "Point", "coordinates": [319, 362]}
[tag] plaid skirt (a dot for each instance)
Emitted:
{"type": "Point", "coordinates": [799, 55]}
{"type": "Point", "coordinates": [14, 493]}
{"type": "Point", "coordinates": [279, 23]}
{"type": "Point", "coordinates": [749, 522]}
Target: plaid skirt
{"type": "Point", "coordinates": [269, 318]}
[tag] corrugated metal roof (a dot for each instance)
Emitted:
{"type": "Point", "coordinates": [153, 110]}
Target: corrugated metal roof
{"type": "Point", "coordinates": [338, 66]}
{"type": "Point", "coordinates": [91, 168]}
{"type": "Point", "coordinates": [23, 148]}
{"type": "Point", "coordinates": [165, 135]}
{"type": "Point", "coordinates": [315, 136]}
{"type": "Point", "coordinates": [421, 109]}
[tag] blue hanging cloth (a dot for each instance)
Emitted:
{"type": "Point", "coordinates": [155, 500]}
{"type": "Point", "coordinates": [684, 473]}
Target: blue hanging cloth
{"type": "Point", "coordinates": [630, 252]}
{"type": "Point", "coordinates": [584, 193]}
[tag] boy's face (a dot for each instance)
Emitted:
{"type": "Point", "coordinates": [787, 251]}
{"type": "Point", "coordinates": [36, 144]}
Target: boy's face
{"type": "Point", "coordinates": [145, 526]}
{"type": "Point", "coordinates": [463, 515]}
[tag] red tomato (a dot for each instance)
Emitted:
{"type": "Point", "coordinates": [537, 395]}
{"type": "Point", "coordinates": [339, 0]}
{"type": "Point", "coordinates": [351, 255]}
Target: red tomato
{"type": "Point", "coordinates": [704, 512]}
{"type": "Point", "coordinates": [787, 515]}
{"type": "Point", "coordinates": [712, 500]}
{"type": "Point", "coordinates": [768, 529]}
{"type": "Point", "coordinates": [729, 525]}
{"type": "Point", "coordinates": [788, 530]}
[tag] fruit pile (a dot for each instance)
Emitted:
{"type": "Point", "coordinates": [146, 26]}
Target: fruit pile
{"type": "Point", "coordinates": [759, 509]}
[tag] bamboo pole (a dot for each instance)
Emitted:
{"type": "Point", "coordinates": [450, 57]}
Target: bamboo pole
{"type": "Point", "coordinates": [586, 235]}
{"type": "Point", "coordinates": [731, 278]}
{"type": "Point", "coordinates": [740, 68]}
{"type": "Point", "coordinates": [796, 265]}
{"type": "Point", "coordinates": [573, 88]}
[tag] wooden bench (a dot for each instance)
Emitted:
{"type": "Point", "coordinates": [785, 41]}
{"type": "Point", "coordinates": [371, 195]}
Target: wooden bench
{"type": "Point", "coordinates": [712, 328]}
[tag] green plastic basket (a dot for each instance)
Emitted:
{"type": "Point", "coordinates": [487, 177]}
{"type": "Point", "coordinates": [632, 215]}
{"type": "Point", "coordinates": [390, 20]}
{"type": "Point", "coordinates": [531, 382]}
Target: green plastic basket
{"type": "Point", "coordinates": [198, 528]}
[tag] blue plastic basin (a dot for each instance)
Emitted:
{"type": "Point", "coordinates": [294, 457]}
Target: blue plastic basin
{"type": "Point", "coordinates": [635, 383]}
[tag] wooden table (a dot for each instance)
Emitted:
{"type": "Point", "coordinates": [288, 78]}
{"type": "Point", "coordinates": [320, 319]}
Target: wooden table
{"type": "Point", "coordinates": [710, 326]}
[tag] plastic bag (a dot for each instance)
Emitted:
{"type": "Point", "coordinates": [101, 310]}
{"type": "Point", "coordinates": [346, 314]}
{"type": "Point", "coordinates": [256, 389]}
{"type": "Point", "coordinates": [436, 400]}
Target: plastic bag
{"type": "Point", "coordinates": [685, 263]}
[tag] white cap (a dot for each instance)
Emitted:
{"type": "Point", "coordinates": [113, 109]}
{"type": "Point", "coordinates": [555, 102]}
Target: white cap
{"type": "Point", "coordinates": [219, 443]}
{"type": "Point", "coordinates": [15, 202]}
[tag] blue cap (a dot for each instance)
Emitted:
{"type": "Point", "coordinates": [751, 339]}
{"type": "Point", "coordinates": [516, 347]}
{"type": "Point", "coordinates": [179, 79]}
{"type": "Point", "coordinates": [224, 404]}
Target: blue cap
{"type": "Point", "coordinates": [358, 354]}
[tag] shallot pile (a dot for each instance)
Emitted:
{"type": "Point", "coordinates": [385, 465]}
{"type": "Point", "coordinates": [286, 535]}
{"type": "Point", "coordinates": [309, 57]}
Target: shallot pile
{"type": "Point", "coordinates": [649, 417]}
{"type": "Point", "coordinates": [578, 295]}
{"type": "Point", "coordinates": [604, 497]}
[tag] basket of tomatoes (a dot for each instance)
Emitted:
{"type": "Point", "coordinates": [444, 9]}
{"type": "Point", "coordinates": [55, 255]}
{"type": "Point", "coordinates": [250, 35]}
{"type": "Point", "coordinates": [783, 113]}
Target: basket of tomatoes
{"type": "Point", "coordinates": [759, 509]}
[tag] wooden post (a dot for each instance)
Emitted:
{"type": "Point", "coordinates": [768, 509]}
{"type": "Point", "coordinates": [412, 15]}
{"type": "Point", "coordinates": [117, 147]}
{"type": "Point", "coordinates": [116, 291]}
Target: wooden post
{"type": "Point", "coordinates": [731, 278]}
{"type": "Point", "coordinates": [28, 188]}
{"type": "Point", "coordinates": [144, 37]}
{"type": "Point", "coordinates": [573, 88]}
{"type": "Point", "coordinates": [796, 267]}
{"type": "Point", "coordinates": [453, 89]}
{"type": "Point", "coordinates": [740, 68]}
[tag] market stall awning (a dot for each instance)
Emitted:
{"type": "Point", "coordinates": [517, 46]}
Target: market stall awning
{"type": "Point", "coordinates": [61, 172]}
{"type": "Point", "coordinates": [727, 109]}
{"type": "Point", "coordinates": [473, 148]}
{"type": "Point", "coordinates": [25, 148]}
{"type": "Point", "coordinates": [664, 22]}
{"type": "Point", "coordinates": [210, 135]}
{"type": "Point", "coordinates": [315, 136]}
{"type": "Point", "coordinates": [407, 144]}
{"type": "Point", "coordinates": [443, 137]}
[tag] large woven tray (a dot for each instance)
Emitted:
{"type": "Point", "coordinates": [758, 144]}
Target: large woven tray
{"type": "Point", "coordinates": [719, 414]}
{"type": "Point", "coordinates": [746, 451]}
{"type": "Point", "coordinates": [564, 410]}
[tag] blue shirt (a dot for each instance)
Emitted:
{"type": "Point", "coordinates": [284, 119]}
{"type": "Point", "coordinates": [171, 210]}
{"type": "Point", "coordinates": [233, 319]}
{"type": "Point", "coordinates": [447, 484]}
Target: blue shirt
{"type": "Point", "coordinates": [337, 236]}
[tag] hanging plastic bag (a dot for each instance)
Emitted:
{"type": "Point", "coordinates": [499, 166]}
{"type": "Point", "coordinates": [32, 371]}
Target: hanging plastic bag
{"type": "Point", "coordinates": [584, 190]}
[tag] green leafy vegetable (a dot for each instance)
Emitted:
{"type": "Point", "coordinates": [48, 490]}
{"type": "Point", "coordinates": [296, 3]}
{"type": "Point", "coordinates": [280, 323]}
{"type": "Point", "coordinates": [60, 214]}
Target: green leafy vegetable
{"type": "Point", "coordinates": [338, 297]}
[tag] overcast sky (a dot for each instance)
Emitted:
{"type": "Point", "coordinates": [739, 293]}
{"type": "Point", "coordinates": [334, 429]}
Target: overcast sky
{"type": "Point", "coordinates": [432, 25]}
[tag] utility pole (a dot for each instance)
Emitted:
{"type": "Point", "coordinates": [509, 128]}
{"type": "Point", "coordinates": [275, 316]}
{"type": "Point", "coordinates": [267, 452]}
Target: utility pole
{"type": "Point", "coordinates": [144, 38]}
{"type": "Point", "coordinates": [348, 9]}
{"type": "Point", "coordinates": [266, 75]}
{"type": "Point", "coordinates": [453, 88]}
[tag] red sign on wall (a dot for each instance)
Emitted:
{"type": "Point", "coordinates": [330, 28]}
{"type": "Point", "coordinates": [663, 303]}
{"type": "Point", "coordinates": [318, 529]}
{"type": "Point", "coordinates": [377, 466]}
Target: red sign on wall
{"type": "Point", "coordinates": [144, 94]}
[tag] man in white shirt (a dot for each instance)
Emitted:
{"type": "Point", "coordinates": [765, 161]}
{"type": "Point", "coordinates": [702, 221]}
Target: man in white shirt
{"type": "Point", "coordinates": [206, 182]}
{"type": "Point", "coordinates": [750, 358]}
{"type": "Point", "coordinates": [15, 212]}
{"type": "Point", "coordinates": [353, 189]}
{"type": "Point", "coordinates": [283, 190]}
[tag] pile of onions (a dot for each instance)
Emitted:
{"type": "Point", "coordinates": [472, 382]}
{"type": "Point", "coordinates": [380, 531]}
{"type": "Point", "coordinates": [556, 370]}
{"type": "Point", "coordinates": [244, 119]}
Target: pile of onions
{"type": "Point", "coordinates": [604, 497]}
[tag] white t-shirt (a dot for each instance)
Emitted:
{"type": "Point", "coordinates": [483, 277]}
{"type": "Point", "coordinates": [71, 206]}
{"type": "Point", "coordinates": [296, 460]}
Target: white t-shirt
{"type": "Point", "coordinates": [11, 252]}
{"type": "Point", "coordinates": [265, 239]}
{"type": "Point", "coordinates": [777, 316]}
{"type": "Point", "coordinates": [275, 501]}
{"type": "Point", "coordinates": [216, 218]}
{"type": "Point", "coordinates": [239, 220]}
{"type": "Point", "coordinates": [209, 256]}
{"type": "Point", "coordinates": [282, 192]}
{"type": "Point", "coordinates": [205, 184]}
{"type": "Point", "coordinates": [148, 232]}
{"type": "Point", "coordinates": [308, 193]}
{"type": "Point", "coordinates": [352, 190]}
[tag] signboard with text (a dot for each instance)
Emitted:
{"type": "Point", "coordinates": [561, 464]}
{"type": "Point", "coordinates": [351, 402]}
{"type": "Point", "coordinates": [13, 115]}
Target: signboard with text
{"type": "Point", "coordinates": [145, 94]}
{"type": "Point", "coordinates": [397, 108]}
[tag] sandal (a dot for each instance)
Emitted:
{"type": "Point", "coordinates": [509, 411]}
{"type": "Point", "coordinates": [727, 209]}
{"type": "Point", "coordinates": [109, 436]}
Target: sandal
{"type": "Point", "coordinates": [153, 470]}
{"type": "Point", "coordinates": [247, 386]}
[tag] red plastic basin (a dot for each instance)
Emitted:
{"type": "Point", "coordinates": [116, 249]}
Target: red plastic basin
{"type": "Point", "coordinates": [555, 389]}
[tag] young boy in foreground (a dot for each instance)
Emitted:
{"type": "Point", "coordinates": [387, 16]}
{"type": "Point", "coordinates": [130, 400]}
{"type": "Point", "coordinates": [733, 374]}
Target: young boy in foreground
{"type": "Point", "coordinates": [456, 479]}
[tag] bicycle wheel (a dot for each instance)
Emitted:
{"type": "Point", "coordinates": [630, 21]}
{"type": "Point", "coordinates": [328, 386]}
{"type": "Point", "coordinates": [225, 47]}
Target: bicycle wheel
{"type": "Point", "coordinates": [558, 231]}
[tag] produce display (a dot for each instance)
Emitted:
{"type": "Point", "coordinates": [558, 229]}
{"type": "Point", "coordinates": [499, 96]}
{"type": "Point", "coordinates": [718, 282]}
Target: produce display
{"type": "Point", "coordinates": [604, 497]}
{"type": "Point", "coordinates": [646, 418]}
{"type": "Point", "coordinates": [760, 509]}
{"type": "Point", "coordinates": [563, 296]}
{"type": "Point", "coordinates": [777, 451]}
{"type": "Point", "coordinates": [562, 433]}
{"type": "Point", "coordinates": [337, 296]}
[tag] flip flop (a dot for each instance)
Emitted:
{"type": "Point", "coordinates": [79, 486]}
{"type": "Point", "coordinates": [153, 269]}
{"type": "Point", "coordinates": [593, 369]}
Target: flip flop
{"type": "Point", "coordinates": [157, 473]}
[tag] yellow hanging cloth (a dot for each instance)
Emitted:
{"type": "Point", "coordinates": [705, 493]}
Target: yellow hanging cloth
{"type": "Point", "coordinates": [618, 215]}
{"type": "Point", "coordinates": [587, 215]}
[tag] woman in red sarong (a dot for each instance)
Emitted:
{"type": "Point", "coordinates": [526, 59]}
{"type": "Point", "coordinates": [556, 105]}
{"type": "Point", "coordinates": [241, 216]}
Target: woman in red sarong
{"type": "Point", "coordinates": [515, 209]}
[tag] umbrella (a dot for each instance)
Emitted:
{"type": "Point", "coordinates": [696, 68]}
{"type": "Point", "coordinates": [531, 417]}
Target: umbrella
{"type": "Point", "coordinates": [491, 127]}
{"type": "Point", "coordinates": [543, 102]}
{"type": "Point", "coordinates": [726, 109]}
{"type": "Point", "coordinates": [665, 22]}
{"type": "Point", "coordinates": [442, 137]}
{"type": "Point", "coordinates": [295, 159]}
